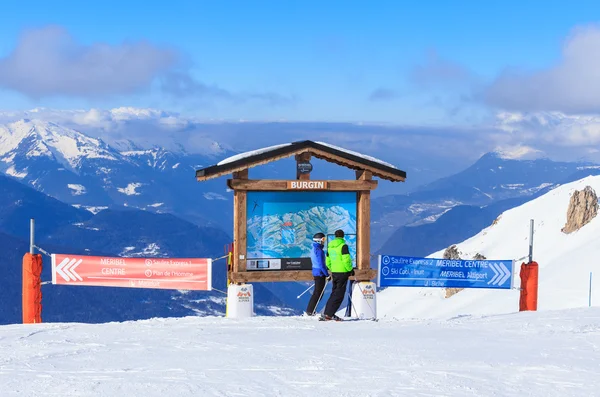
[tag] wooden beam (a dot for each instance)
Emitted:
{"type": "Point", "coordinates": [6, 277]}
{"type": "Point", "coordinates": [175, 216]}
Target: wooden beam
{"type": "Point", "coordinates": [363, 227]}
{"type": "Point", "coordinates": [354, 165]}
{"type": "Point", "coordinates": [239, 224]}
{"type": "Point", "coordinates": [291, 275]}
{"type": "Point", "coordinates": [241, 174]}
{"type": "Point", "coordinates": [239, 230]}
{"type": "Point", "coordinates": [250, 165]}
{"type": "Point", "coordinates": [266, 184]}
{"type": "Point", "coordinates": [236, 230]}
{"type": "Point", "coordinates": [243, 226]}
{"type": "Point", "coordinates": [302, 158]}
{"type": "Point", "coordinates": [364, 175]}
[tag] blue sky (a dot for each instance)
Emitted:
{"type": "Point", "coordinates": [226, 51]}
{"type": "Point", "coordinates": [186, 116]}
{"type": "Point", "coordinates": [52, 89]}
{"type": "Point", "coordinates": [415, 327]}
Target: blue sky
{"type": "Point", "coordinates": [290, 60]}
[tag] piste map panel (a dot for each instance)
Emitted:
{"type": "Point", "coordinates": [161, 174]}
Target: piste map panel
{"type": "Point", "coordinates": [280, 226]}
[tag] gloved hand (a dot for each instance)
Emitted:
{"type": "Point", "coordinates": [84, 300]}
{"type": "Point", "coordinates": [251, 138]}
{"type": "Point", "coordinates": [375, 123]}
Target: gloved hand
{"type": "Point", "coordinates": [329, 278]}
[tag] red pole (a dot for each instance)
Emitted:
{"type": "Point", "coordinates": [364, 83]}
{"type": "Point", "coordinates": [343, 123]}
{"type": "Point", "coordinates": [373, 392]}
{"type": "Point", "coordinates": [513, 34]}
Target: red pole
{"type": "Point", "coordinates": [529, 286]}
{"type": "Point", "coordinates": [32, 288]}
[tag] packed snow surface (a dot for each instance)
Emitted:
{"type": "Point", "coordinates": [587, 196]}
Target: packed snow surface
{"type": "Point", "coordinates": [546, 354]}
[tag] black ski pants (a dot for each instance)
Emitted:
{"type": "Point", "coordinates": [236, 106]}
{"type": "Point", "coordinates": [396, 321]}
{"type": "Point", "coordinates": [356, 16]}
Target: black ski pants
{"type": "Point", "coordinates": [316, 295]}
{"type": "Point", "coordinates": [339, 282]}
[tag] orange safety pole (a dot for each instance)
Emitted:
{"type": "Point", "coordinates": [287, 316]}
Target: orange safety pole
{"type": "Point", "coordinates": [32, 288]}
{"type": "Point", "coordinates": [529, 286]}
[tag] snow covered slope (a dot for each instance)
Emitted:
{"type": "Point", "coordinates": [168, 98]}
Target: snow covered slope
{"type": "Point", "coordinates": [565, 262]}
{"type": "Point", "coordinates": [528, 354]}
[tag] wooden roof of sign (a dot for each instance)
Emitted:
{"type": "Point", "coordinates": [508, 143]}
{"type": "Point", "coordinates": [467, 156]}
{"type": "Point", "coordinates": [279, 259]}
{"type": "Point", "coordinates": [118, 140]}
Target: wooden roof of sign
{"type": "Point", "coordinates": [320, 150]}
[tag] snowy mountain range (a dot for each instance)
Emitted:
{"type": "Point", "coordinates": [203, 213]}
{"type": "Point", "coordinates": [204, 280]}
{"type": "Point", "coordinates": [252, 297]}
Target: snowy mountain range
{"type": "Point", "coordinates": [494, 178]}
{"type": "Point", "coordinates": [88, 173]}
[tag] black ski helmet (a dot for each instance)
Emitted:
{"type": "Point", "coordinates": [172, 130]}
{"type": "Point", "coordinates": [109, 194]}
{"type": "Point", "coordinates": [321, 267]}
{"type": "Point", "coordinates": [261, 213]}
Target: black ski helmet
{"type": "Point", "coordinates": [318, 237]}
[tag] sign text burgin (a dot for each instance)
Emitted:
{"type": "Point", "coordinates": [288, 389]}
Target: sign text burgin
{"type": "Point", "coordinates": [307, 185]}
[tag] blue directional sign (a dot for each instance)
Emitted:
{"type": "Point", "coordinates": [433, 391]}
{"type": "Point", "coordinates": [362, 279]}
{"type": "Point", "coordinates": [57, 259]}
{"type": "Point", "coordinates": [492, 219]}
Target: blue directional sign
{"type": "Point", "coordinates": [405, 271]}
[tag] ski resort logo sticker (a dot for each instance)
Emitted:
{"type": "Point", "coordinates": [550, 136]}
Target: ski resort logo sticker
{"type": "Point", "coordinates": [244, 295]}
{"type": "Point", "coordinates": [368, 292]}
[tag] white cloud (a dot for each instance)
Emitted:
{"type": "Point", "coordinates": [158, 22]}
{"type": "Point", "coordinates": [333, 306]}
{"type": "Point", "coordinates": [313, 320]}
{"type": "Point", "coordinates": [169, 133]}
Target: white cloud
{"type": "Point", "coordinates": [214, 196]}
{"type": "Point", "coordinates": [571, 86]}
{"type": "Point", "coordinates": [551, 128]}
{"type": "Point", "coordinates": [49, 61]}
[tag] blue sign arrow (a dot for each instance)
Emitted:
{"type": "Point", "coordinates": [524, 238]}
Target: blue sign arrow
{"type": "Point", "coordinates": [406, 271]}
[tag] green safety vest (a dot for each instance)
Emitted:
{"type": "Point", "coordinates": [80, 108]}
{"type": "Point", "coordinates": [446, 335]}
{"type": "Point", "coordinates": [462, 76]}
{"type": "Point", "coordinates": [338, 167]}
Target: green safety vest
{"type": "Point", "coordinates": [338, 261]}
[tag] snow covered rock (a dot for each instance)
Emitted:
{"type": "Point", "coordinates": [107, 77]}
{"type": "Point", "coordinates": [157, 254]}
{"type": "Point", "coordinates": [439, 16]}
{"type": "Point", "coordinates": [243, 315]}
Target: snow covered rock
{"type": "Point", "coordinates": [583, 207]}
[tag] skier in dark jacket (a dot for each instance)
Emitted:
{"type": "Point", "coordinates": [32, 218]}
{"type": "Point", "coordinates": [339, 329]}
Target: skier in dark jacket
{"type": "Point", "coordinates": [340, 263]}
{"type": "Point", "coordinates": [319, 271]}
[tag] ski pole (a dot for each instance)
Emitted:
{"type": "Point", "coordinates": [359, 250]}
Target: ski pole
{"type": "Point", "coordinates": [308, 289]}
{"type": "Point", "coordinates": [322, 292]}
{"type": "Point", "coordinates": [348, 311]}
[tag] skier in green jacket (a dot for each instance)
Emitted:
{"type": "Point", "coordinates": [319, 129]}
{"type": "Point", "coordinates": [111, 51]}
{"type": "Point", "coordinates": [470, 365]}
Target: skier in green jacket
{"type": "Point", "coordinates": [339, 262]}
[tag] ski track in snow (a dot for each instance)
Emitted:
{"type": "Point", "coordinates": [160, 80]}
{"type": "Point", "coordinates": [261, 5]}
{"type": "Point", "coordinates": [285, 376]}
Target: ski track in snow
{"type": "Point", "coordinates": [553, 353]}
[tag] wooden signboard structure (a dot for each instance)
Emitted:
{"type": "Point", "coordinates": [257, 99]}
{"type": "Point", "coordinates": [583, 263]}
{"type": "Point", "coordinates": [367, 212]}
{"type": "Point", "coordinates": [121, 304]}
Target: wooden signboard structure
{"type": "Point", "coordinates": [366, 168]}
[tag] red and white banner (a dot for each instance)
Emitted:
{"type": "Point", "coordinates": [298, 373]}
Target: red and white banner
{"type": "Point", "coordinates": [161, 273]}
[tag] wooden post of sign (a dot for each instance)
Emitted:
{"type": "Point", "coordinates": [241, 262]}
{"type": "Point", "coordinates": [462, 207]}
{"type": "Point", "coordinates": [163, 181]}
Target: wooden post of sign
{"type": "Point", "coordinates": [302, 158]}
{"type": "Point", "coordinates": [363, 229]}
{"type": "Point", "coordinates": [239, 224]}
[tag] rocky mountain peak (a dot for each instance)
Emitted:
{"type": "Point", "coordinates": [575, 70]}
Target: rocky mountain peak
{"type": "Point", "coordinates": [583, 207]}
